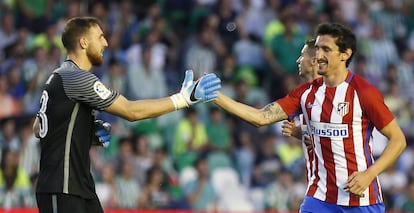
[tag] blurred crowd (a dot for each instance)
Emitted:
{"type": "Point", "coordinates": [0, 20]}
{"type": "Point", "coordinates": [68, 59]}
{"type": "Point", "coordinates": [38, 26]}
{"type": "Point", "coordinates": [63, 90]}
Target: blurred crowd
{"type": "Point", "coordinates": [200, 158]}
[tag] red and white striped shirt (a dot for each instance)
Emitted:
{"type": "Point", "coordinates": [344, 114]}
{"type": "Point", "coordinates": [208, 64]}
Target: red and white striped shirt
{"type": "Point", "coordinates": [341, 120]}
{"type": "Point", "coordinates": [307, 152]}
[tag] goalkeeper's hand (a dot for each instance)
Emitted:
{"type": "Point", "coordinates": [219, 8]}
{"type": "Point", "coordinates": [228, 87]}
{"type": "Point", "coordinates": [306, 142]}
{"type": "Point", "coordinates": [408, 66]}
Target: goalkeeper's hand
{"type": "Point", "coordinates": [202, 90]}
{"type": "Point", "coordinates": [102, 133]}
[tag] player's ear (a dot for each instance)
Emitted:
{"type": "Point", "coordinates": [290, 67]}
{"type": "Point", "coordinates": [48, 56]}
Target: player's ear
{"type": "Point", "coordinates": [346, 55]}
{"type": "Point", "coordinates": [83, 42]}
{"type": "Point", "coordinates": [314, 60]}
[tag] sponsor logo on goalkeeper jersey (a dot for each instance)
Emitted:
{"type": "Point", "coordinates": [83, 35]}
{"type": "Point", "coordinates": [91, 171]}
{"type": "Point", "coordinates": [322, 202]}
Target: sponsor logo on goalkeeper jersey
{"type": "Point", "coordinates": [101, 90]}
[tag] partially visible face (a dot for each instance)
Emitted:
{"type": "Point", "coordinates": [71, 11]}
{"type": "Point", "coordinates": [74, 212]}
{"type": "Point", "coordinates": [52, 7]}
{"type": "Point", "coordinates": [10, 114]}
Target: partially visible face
{"type": "Point", "coordinates": [158, 177]}
{"type": "Point", "coordinates": [305, 62]}
{"type": "Point", "coordinates": [108, 172]}
{"type": "Point", "coordinates": [327, 54]}
{"type": "Point", "coordinates": [12, 159]}
{"type": "Point", "coordinates": [202, 168]}
{"type": "Point", "coordinates": [97, 44]}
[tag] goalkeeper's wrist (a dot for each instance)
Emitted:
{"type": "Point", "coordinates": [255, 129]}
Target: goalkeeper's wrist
{"type": "Point", "coordinates": [179, 101]}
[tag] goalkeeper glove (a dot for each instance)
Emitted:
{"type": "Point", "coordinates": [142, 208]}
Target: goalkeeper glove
{"type": "Point", "coordinates": [204, 89]}
{"type": "Point", "coordinates": [102, 133]}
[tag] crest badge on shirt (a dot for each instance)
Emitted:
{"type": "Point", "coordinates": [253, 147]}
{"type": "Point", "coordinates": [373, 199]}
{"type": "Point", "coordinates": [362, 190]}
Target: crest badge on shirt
{"type": "Point", "coordinates": [101, 90]}
{"type": "Point", "coordinates": [343, 108]}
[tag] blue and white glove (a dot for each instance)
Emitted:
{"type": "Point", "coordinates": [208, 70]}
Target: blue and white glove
{"type": "Point", "coordinates": [202, 90]}
{"type": "Point", "coordinates": [102, 133]}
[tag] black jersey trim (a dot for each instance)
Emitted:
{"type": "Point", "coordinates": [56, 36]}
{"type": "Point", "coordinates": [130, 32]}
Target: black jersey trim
{"type": "Point", "coordinates": [67, 148]}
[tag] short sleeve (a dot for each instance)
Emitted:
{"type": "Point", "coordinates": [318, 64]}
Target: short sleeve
{"type": "Point", "coordinates": [291, 102]}
{"type": "Point", "coordinates": [374, 107]}
{"type": "Point", "coordinates": [85, 87]}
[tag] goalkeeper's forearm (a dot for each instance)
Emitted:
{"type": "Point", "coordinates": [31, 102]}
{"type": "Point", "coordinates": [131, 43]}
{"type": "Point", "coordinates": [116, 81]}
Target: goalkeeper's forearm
{"type": "Point", "coordinates": [140, 109]}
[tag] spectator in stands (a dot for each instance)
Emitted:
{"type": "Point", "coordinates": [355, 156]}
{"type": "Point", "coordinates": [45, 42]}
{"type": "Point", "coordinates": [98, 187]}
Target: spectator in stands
{"type": "Point", "coordinates": [29, 150]}
{"type": "Point", "coordinates": [49, 38]}
{"type": "Point", "coordinates": [142, 159]}
{"type": "Point", "coordinates": [8, 32]}
{"type": "Point", "coordinates": [154, 193]}
{"type": "Point", "coordinates": [279, 194]}
{"type": "Point", "coordinates": [34, 14]}
{"type": "Point", "coordinates": [124, 23]}
{"type": "Point", "coordinates": [408, 204]}
{"type": "Point", "coordinates": [127, 188]}
{"type": "Point", "coordinates": [15, 185]}
{"type": "Point", "coordinates": [285, 47]}
{"type": "Point", "coordinates": [201, 55]}
{"type": "Point", "coordinates": [218, 131]}
{"type": "Point", "coordinates": [245, 156]}
{"type": "Point", "coordinates": [190, 139]}
{"type": "Point", "coordinates": [267, 163]}
{"type": "Point", "coordinates": [381, 52]}
{"type": "Point", "coordinates": [124, 153]}
{"type": "Point", "coordinates": [9, 105]}
{"type": "Point", "coordinates": [199, 192]}
{"type": "Point", "coordinates": [393, 183]}
{"type": "Point", "coordinates": [17, 87]}
{"type": "Point", "coordinates": [9, 138]}
{"type": "Point", "coordinates": [106, 186]}
{"type": "Point", "coordinates": [291, 155]}
{"type": "Point", "coordinates": [229, 23]}
{"type": "Point", "coordinates": [145, 80]}
{"type": "Point", "coordinates": [36, 70]}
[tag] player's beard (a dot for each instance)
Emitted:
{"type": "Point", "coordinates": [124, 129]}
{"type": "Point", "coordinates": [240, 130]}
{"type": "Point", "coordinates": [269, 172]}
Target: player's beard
{"type": "Point", "coordinates": [95, 57]}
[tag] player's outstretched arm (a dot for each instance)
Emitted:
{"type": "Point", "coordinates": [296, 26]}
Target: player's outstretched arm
{"type": "Point", "coordinates": [271, 113]}
{"type": "Point", "coordinates": [192, 92]}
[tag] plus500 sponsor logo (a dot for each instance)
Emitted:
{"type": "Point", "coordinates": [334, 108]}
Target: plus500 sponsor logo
{"type": "Point", "coordinates": [329, 130]}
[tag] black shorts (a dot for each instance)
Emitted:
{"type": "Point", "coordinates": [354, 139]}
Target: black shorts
{"type": "Point", "coordinates": [65, 203]}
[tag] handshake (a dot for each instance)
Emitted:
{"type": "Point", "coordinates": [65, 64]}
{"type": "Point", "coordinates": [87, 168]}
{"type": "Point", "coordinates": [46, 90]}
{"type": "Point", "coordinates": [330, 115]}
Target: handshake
{"type": "Point", "coordinates": [192, 92]}
{"type": "Point", "coordinates": [202, 90]}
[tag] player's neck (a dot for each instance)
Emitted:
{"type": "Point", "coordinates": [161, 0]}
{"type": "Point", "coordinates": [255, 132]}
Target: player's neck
{"type": "Point", "coordinates": [336, 78]}
{"type": "Point", "coordinates": [81, 61]}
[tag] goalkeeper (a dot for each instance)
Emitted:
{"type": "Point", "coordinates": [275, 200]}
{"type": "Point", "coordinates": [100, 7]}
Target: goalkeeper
{"type": "Point", "coordinates": [66, 124]}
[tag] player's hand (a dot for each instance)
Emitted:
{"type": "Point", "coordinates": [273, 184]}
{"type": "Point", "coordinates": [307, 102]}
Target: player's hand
{"type": "Point", "coordinates": [358, 182]}
{"type": "Point", "coordinates": [308, 142]}
{"type": "Point", "coordinates": [204, 89]}
{"type": "Point", "coordinates": [287, 128]}
{"type": "Point", "coordinates": [102, 133]}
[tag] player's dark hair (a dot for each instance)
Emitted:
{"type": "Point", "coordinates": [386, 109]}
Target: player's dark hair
{"type": "Point", "coordinates": [311, 46]}
{"type": "Point", "coordinates": [75, 28]}
{"type": "Point", "coordinates": [345, 38]}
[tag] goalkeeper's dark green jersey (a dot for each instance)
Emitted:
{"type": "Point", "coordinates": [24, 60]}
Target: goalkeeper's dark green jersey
{"type": "Point", "coordinates": [69, 100]}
